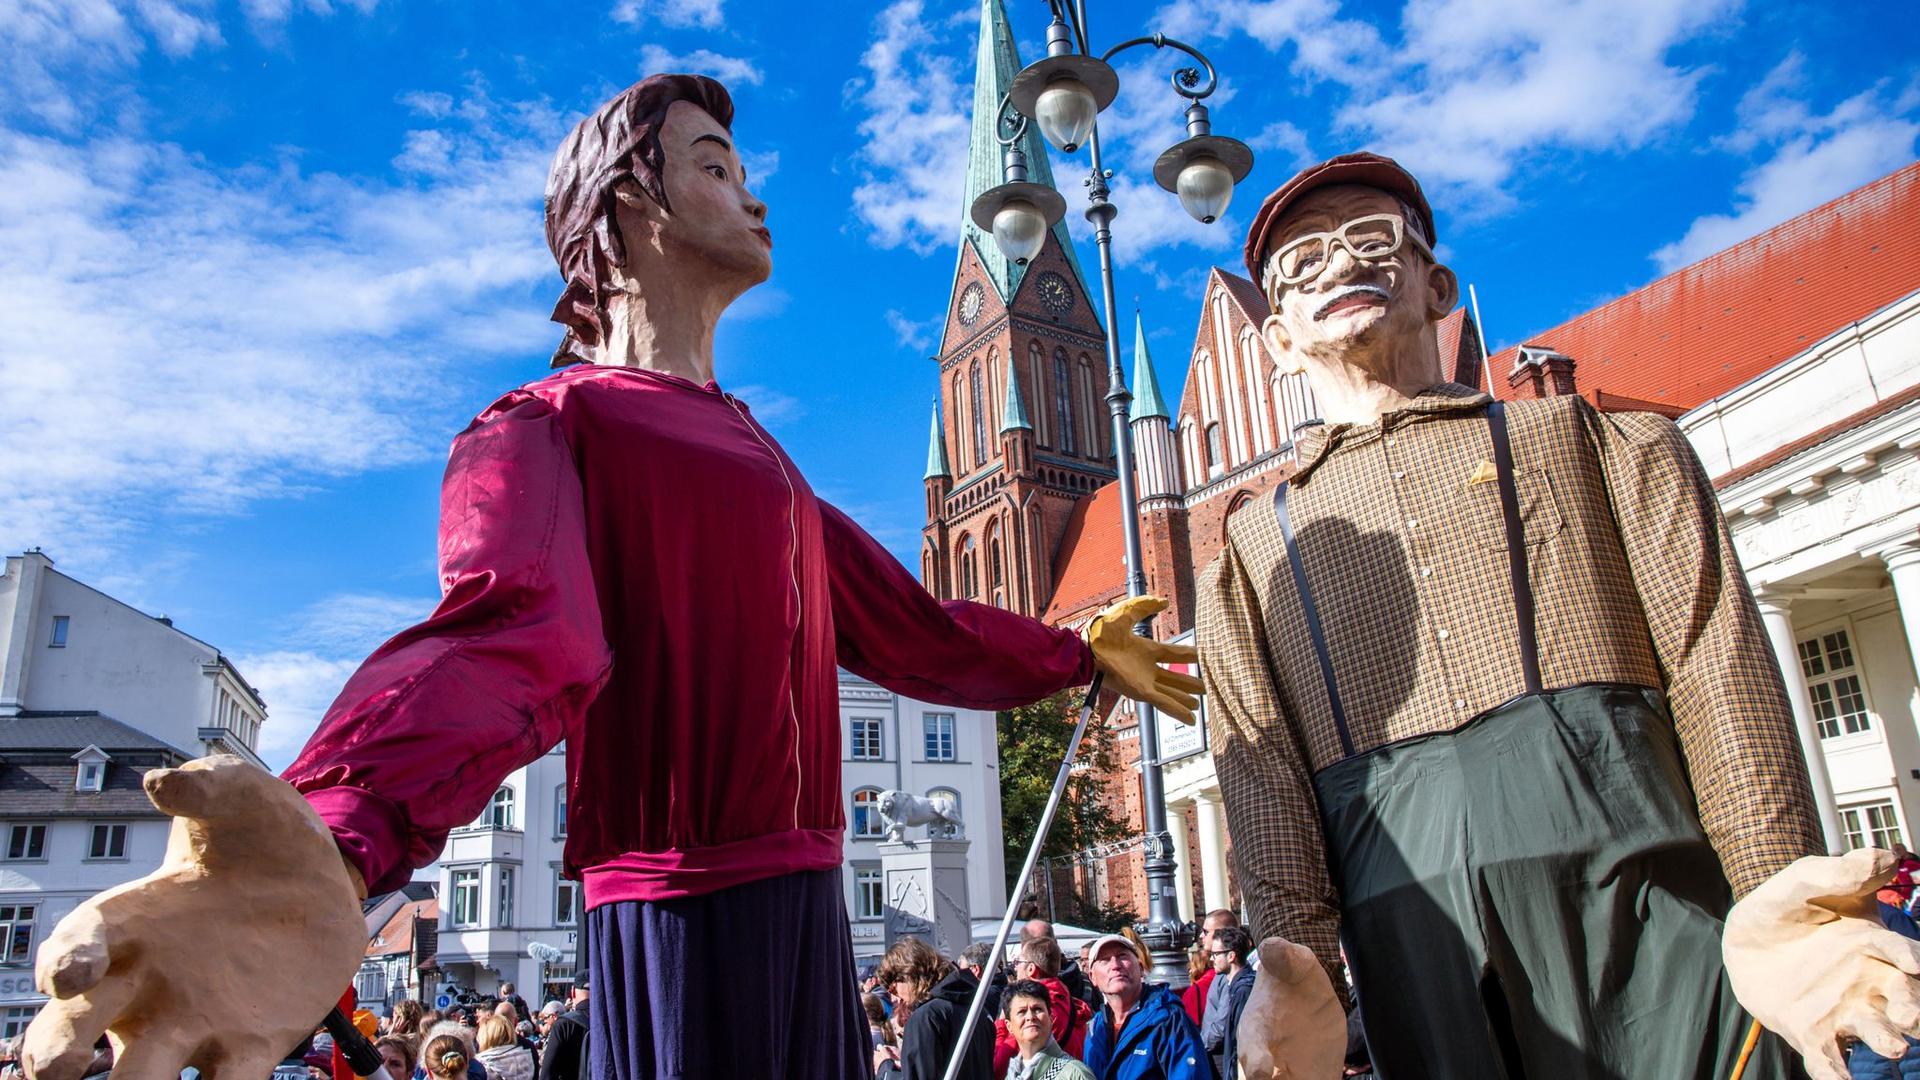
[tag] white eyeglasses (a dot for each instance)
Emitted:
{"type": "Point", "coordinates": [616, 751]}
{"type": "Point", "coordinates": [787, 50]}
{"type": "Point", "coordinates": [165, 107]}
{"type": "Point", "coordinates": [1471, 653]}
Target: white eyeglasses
{"type": "Point", "coordinates": [1369, 238]}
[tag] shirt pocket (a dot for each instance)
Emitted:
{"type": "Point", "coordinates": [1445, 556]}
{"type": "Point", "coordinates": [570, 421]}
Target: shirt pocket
{"type": "Point", "coordinates": [1540, 517]}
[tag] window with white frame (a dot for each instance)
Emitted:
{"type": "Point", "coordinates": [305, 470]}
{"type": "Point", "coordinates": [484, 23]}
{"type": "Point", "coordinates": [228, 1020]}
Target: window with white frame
{"type": "Point", "coordinates": [869, 894]}
{"type": "Point", "coordinates": [506, 898]}
{"type": "Point", "coordinates": [939, 732]}
{"type": "Point", "coordinates": [91, 776]}
{"type": "Point", "coordinates": [1871, 825]}
{"type": "Point", "coordinates": [866, 813]}
{"type": "Point", "coordinates": [26, 842]}
{"type": "Point", "coordinates": [560, 811]}
{"type": "Point", "coordinates": [15, 1020]}
{"type": "Point", "coordinates": [866, 738]}
{"type": "Point", "coordinates": [466, 898]}
{"type": "Point", "coordinates": [1834, 684]}
{"type": "Point", "coordinates": [16, 933]}
{"type": "Point", "coordinates": [500, 813]}
{"type": "Point", "coordinates": [109, 841]}
{"type": "Point", "coordinates": [566, 900]}
{"type": "Point", "coordinates": [58, 640]}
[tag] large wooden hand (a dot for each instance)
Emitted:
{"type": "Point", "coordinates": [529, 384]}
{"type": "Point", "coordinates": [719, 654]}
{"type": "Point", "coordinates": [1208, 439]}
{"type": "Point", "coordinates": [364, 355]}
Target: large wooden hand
{"type": "Point", "coordinates": [1293, 1027]}
{"type": "Point", "coordinates": [1132, 663]}
{"type": "Point", "coordinates": [1808, 957]}
{"type": "Point", "coordinates": [223, 958]}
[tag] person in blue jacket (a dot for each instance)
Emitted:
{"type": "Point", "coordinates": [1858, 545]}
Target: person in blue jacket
{"type": "Point", "coordinates": [1141, 1033]}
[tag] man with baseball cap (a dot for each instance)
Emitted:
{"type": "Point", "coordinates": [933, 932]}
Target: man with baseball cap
{"type": "Point", "coordinates": [1141, 1032]}
{"type": "Point", "coordinates": [1492, 703]}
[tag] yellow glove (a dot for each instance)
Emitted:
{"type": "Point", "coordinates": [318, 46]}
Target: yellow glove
{"type": "Point", "coordinates": [1807, 956]}
{"type": "Point", "coordinates": [1132, 663]}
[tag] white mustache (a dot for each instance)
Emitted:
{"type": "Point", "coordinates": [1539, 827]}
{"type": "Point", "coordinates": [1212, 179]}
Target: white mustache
{"type": "Point", "coordinates": [1345, 291]}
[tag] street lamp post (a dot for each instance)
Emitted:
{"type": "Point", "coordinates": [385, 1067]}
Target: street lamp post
{"type": "Point", "coordinates": [1064, 93]}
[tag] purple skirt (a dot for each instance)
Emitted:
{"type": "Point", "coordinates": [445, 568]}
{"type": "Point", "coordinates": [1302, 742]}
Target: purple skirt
{"type": "Point", "coordinates": [752, 981]}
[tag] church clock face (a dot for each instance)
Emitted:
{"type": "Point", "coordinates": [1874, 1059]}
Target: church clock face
{"type": "Point", "coordinates": [1055, 294]}
{"type": "Point", "coordinates": [970, 301]}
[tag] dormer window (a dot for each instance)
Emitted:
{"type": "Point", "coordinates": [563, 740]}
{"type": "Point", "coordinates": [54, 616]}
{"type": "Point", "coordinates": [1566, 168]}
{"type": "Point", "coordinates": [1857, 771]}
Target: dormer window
{"type": "Point", "coordinates": [90, 769]}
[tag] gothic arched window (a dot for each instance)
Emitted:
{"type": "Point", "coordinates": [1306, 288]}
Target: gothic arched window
{"type": "Point", "coordinates": [978, 407]}
{"type": "Point", "coordinates": [1094, 409]}
{"type": "Point", "coordinates": [500, 811]}
{"type": "Point", "coordinates": [1043, 431]}
{"type": "Point", "coordinates": [969, 578]}
{"type": "Point", "coordinates": [1063, 417]}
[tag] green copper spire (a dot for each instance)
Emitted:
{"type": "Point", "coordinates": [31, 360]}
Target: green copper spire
{"type": "Point", "coordinates": [1146, 385]}
{"type": "Point", "coordinates": [1013, 414]}
{"type": "Point", "coordinates": [998, 63]}
{"type": "Point", "coordinates": [937, 448]}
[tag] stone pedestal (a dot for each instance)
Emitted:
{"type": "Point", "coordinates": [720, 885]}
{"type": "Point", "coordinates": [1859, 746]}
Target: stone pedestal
{"type": "Point", "coordinates": [926, 893]}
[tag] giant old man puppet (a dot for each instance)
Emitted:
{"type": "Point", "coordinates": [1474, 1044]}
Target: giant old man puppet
{"type": "Point", "coordinates": [631, 563]}
{"type": "Point", "coordinates": [1492, 707]}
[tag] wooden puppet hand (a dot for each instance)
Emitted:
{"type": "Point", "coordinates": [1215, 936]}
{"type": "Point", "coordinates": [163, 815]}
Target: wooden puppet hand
{"type": "Point", "coordinates": [223, 958]}
{"type": "Point", "coordinates": [1293, 1027]}
{"type": "Point", "coordinates": [1808, 957]}
{"type": "Point", "coordinates": [1132, 663]}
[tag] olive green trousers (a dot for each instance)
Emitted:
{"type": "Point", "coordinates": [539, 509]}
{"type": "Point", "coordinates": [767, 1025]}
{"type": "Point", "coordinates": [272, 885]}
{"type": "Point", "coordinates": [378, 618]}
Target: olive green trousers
{"type": "Point", "coordinates": [1531, 895]}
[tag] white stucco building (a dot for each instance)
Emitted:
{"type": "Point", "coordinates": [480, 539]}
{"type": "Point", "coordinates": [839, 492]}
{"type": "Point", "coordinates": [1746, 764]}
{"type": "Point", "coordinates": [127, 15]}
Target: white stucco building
{"type": "Point", "coordinates": [501, 885]}
{"type": "Point", "coordinates": [93, 693]}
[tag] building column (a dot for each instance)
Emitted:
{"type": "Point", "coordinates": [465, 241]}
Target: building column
{"type": "Point", "coordinates": [1182, 858]}
{"type": "Point", "coordinates": [1903, 566]}
{"type": "Point", "coordinates": [1775, 612]}
{"type": "Point", "coordinates": [1213, 851]}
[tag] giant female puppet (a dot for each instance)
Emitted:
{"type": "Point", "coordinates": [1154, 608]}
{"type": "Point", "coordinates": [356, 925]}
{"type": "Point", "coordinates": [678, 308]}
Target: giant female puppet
{"type": "Point", "coordinates": [630, 563]}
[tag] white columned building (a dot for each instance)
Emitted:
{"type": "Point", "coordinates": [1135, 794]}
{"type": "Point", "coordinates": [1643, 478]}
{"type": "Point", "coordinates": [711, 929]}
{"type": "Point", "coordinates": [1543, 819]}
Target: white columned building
{"type": "Point", "coordinates": [1816, 465]}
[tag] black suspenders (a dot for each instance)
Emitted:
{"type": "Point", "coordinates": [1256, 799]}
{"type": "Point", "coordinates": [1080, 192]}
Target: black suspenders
{"type": "Point", "coordinates": [1516, 562]}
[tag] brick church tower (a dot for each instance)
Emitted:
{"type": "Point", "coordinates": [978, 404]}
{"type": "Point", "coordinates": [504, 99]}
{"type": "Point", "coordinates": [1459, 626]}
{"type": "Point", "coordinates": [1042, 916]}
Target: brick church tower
{"type": "Point", "coordinates": [1021, 431]}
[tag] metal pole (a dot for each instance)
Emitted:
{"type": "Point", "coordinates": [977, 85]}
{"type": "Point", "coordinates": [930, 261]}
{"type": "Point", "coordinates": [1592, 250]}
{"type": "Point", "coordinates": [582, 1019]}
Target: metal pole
{"type": "Point", "coordinates": [1480, 329]}
{"type": "Point", "coordinates": [1164, 931]}
{"type": "Point", "coordinates": [992, 961]}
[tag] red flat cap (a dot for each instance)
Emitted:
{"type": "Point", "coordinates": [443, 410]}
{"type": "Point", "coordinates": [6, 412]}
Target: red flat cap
{"type": "Point", "coordinates": [1359, 167]}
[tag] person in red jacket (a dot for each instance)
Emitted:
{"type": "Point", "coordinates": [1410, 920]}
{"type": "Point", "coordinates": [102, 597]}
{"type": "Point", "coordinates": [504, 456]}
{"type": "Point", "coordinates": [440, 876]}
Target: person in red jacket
{"type": "Point", "coordinates": [630, 563]}
{"type": "Point", "coordinates": [1040, 960]}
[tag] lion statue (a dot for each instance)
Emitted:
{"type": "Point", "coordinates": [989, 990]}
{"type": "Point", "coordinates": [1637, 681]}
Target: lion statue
{"type": "Point", "coordinates": [899, 809]}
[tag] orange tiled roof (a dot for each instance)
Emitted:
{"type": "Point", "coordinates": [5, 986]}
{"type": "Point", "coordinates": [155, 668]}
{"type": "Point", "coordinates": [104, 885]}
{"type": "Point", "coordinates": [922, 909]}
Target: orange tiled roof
{"type": "Point", "coordinates": [397, 935]}
{"type": "Point", "coordinates": [1705, 329]}
{"type": "Point", "coordinates": [1090, 569]}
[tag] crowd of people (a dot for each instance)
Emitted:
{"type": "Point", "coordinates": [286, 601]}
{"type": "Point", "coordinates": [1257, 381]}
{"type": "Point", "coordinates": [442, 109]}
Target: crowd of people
{"type": "Point", "coordinates": [1057, 1018]}
{"type": "Point", "coordinates": [494, 1039]}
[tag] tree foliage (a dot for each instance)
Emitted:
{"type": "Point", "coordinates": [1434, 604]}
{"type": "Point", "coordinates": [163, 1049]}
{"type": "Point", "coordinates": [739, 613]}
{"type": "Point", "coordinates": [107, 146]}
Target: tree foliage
{"type": "Point", "coordinates": [1033, 740]}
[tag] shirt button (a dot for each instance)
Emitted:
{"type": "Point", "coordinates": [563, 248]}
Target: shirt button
{"type": "Point", "coordinates": [1413, 523]}
{"type": "Point", "coordinates": [1442, 633]}
{"type": "Point", "coordinates": [1400, 474]}
{"type": "Point", "coordinates": [1460, 703]}
{"type": "Point", "coordinates": [1426, 571]}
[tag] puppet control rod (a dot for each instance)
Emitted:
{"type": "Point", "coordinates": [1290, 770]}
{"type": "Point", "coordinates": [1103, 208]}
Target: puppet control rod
{"type": "Point", "coordinates": [1020, 884]}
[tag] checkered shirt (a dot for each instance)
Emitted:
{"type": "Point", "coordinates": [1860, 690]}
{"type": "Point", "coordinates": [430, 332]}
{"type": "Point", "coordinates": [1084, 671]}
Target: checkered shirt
{"type": "Point", "coordinates": [1401, 532]}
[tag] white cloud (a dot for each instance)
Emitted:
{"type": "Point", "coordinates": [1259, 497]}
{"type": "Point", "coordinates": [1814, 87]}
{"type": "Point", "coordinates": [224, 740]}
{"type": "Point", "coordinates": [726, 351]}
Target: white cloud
{"type": "Point", "coordinates": [1814, 157]}
{"type": "Point", "coordinates": [1287, 140]}
{"type": "Point", "coordinates": [734, 70]}
{"type": "Point", "coordinates": [181, 339]}
{"type": "Point", "coordinates": [1473, 88]}
{"type": "Point", "coordinates": [773, 408]}
{"type": "Point", "coordinates": [912, 333]}
{"type": "Point", "coordinates": [325, 645]}
{"type": "Point", "coordinates": [705, 14]}
{"type": "Point", "coordinates": [916, 129]}
{"type": "Point", "coordinates": [298, 685]}
{"type": "Point", "coordinates": [760, 165]}
{"type": "Point", "coordinates": [179, 32]}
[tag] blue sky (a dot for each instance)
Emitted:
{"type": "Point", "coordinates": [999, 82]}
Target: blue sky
{"type": "Point", "coordinates": [259, 262]}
